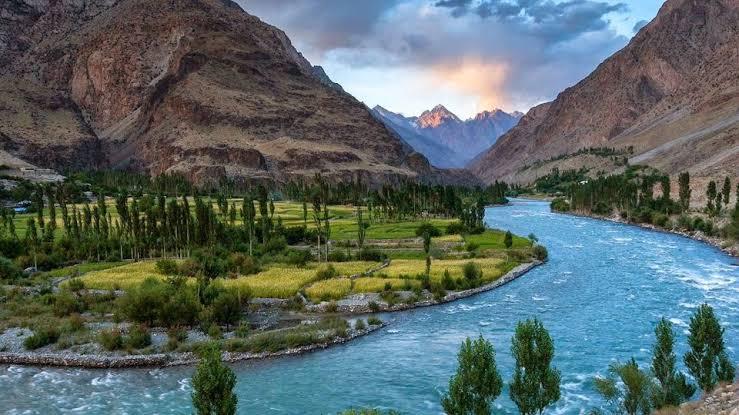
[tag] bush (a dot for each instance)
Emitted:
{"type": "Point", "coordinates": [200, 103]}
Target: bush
{"type": "Point", "coordinates": [472, 272]}
{"type": "Point", "coordinates": [138, 337]}
{"type": "Point", "coordinates": [660, 219]}
{"type": "Point", "coordinates": [359, 325]}
{"type": "Point", "coordinates": [447, 282]}
{"type": "Point", "coordinates": [214, 332]}
{"type": "Point", "coordinates": [297, 257]}
{"type": "Point", "coordinates": [338, 256]}
{"type": "Point", "coordinates": [372, 254]}
{"type": "Point", "coordinates": [326, 272]}
{"type": "Point", "coordinates": [374, 307]}
{"type": "Point", "coordinates": [685, 223]}
{"type": "Point", "coordinates": [41, 337]}
{"type": "Point", "coordinates": [601, 208]}
{"type": "Point", "coordinates": [243, 330]}
{"type": "Point", "coordinates": [428, 228]}
{"type": "Point", "coordinates": [227, 308]}
{"type": "Point", "coordinates": [75, 285]}
{"type": "Point", "coordinates": [275, 245]}
{"type": "Point", "coordinates": [111, 339]}
{"type": "Point", "coordinates": [456, 228]}
{"type": "Point", "coordinates": [374, 321]}
{"type": "Point", "coordinates": [167, 267]}
{"type": "Point", "coordinates": [8, 269]}
{"type": "Point", "coordinates": [560, 204]}
{"type": "Point", "coordinates": [471, 246]}
{"type": "Point", "coordinates": [540, 252]}
{"type": "Point", "coordinates": [73, 324]}
{"type": "Point", "coordinates": [66, 303]}
{"type": "Point", "coordinates": [189, 268]}
{"type": "Point", "coordinates": [243, 264]}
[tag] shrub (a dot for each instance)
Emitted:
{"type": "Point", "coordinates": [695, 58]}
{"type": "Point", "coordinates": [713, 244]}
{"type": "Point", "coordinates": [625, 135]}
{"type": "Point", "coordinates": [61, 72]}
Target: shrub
{"type": "Point", "coordinates": [243, 330]}
{"type": "Point", "coordinates": [66, 303]}
{"type": "Point", "coordinates": [214, 332]}
{"type": "Point", "coordinates": [660, 219]}
{"type": "Point", "coordinates": [243, 264]}
{"type": "Point", "coordinates": [560, 204]}
{"type": "Point", "coordinates": [189, 268]}
{"type": "Point", "coordinates": [275, 245]}
{"type": "Point", "coordinates": [75, 285]}
{"type": "Point", "coordinates": [73, 324]}
{"type": "Point", "coordinates": [8, 269]}
{"type": "Point", "coordinates": [372, 254]}
{"type": "Point", "coordinates": [332, 307]}
{"type": "Point", "coordinates": [326, 272]}
{"type": "Point", "coordinates": [359, 325]}
{"type": "Point", "coordinates": [447, 282]}
{"type": "Point", "coordinates": [338, 256]}
{"type": "Point", "coordinates": [456, 228]}
{"type": "Point", "coordinates": [41, 337]}
{"type": "Point", "coordinates": [374, 321]}
{"type": "Point", "coordinates": [227, 308]}
{"type": "Point", "coordinates": [373, 306]}
{"type": "Point", "coordinates": [175, 335]}
{"type": "Point", "coordinates": [167, 267]}
{"type": "Point", "coordinates": [111, 339]}
{"type": "Point", "coordinates": [471, 246]}
{"type": "Point", "coordinates": [685, 223]}
{"type": "Point", "coordinates": [428, 228]}
{"type": "Point", "coordinates": [601, 208]}
{"type": "Point", "coordinates": [138, 337]}
{"type": "Point", "coordinates": [143, 304]}
{"type": "Point", "coordinates": [540, 252]}
{"type": "Point", "coordinates": [297, 257]}
{"type": "Point", "coordinates": [472, 272]}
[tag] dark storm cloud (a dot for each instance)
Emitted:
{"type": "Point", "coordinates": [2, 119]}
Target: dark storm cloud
{"type": "Point", "coordinates": [322, 24]}
{"type": "Point", "coordinates": [560, 20]}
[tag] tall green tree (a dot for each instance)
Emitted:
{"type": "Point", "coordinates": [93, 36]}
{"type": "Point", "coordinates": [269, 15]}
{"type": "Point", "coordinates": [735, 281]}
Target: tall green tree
{"type": "Point", "coordinates": [673, 388]}
{"type": "Point", "coordinates": [707, 360]}
{"type": "Point", "coordinates": [726, 192]}
{"type": "Point", "coordinates": [477, 382]}
{"type": "Point", "coordinates": [684, 190]}
{"type": "Point", "coordinates": [213, 384]}
{"type": "Point", "coordinates": [627, 388]}
{"type": "Point", "coordinates": [508, 240]}
{"type": "Point", "coordinates": [711, 196]}
{"type": "Point", "coordinates": [535, 383]}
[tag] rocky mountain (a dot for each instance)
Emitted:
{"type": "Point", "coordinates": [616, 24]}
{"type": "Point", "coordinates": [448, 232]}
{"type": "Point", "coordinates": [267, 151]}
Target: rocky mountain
{"type": "Point", "coordinates": [444, 138]}
{"type": "Point", "coordinates": [669, 99]}
{"type": "Point", "coordinates": [198, 87]}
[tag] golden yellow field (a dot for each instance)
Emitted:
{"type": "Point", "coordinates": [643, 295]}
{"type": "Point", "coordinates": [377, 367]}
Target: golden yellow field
{"type": "Point", "coordinates": [333, 289]}
{"type": "Point", "coordinates": [122, 277]}
{"type": "Point", "coordinates": [275, 282]}
{"type": "Point", "coordinates": [376, 284]}
{"type": "Point", "coordinates": [413, 267]}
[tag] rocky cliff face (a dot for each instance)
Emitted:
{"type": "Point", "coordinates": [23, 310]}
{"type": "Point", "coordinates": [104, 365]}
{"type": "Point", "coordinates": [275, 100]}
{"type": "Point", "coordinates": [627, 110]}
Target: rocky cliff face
{"type": "Point", "coordinates": [198, 87]}
{"type": "Point", "coordinates": [444, 138]}
{"type": "Point", "coordinates": [672, 94]}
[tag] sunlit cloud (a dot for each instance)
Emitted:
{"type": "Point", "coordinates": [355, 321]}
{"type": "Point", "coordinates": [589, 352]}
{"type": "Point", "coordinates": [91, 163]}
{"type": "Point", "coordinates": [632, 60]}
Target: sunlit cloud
{"type": "Point", "coordinates": [485, 81]}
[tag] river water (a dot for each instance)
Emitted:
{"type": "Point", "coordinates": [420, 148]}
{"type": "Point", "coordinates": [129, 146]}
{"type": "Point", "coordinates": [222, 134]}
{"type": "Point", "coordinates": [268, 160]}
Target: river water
{"type": "Point", "coordinates": [600, 296]}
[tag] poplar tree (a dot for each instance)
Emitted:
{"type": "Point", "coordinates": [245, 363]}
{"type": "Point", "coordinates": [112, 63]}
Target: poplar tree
{"type": "Point", "coordinates": [726, 191]}
{"type": "Point", "coordinates": [673, 388]}
{"type": "Point", "coordinates": [711, 196]}
{"type": "Point", "coordinates": [477, 382]}
{"type": "Point", "coordinates": [535, 383]}
{"type": "Point", "coordinates": [213, 384]}
{"type": "Point", "coordinates": [707, 360]}
{"type": "Point", "coordinates": [684, 184]}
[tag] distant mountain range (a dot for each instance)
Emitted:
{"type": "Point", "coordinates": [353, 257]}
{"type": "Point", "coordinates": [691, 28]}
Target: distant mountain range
{"type": "Point", "coordinates": [444, 138]}
{"type": "Point", "coordinates": [669, 99]}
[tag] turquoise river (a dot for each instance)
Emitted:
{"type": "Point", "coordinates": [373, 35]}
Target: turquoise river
{"type": "Point", "coordinates": [600, 295]}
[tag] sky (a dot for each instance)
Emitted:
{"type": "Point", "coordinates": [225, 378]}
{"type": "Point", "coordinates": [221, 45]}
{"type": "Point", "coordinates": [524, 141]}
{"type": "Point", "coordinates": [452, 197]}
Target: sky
{"type": "Point", "coordinates": [468, 55]}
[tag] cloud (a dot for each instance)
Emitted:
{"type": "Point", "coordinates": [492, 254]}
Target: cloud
{"type": "Point", "coordinates": [639, 25]}
{"type": "Point", "coordinates": [511, 54]}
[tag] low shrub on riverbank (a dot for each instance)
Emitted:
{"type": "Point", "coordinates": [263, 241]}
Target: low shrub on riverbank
{"type": "Point", "coordinates": [303, 335]}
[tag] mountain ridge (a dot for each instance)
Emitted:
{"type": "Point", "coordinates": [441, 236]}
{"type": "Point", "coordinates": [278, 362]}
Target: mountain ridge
{"type": "Point", "coordinates": [446, 139]}
{"type": "Point", "coordinates": [672, 94]}
{"type": "Point", "coordinates": [200, 88]}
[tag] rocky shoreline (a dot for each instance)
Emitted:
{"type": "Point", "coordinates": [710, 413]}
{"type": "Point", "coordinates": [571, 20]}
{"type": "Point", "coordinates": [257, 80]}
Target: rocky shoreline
{"type": "Point", "coordinates": [353, 306]}
{"type": "Point", "coordinates": [372, 303]}
{"type": "Point", "coordinates": [731, 250]}
{"type": "Point", "coordinates": [93, 361]}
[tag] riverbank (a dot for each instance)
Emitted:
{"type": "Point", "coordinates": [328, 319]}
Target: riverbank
{"type": "Point", "coordinates": [357, 305]}
{"type": "Point", "coordinates": [111, 361]}
{"type": "Point", "coordinates": [373, 302]}
{"type": "Point", "coordinates": [731, 249]}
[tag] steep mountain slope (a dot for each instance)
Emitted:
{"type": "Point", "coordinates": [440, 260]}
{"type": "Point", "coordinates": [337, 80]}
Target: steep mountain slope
{"type": "Point", "coordinates": [669, 99]}
{"type": "Point", "coordinates": [198, 87]}
{"type": "Point", "coordinates": [444, 138]}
